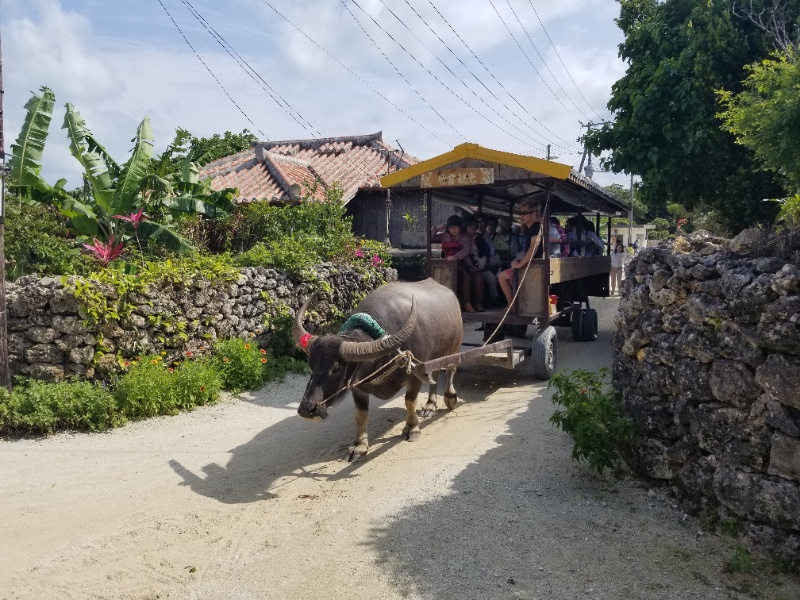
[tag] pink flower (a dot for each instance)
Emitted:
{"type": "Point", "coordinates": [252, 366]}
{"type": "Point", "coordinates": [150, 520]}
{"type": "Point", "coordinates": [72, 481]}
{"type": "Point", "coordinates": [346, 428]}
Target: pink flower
{"type": "Point", "coordinates": [134, 218]}
{"type": "Point", "coordinates": [376, 260]}
{"type": "Point", "coordinates": [105, 253]}
{"type": "Point", "coordinates": [359, 254]}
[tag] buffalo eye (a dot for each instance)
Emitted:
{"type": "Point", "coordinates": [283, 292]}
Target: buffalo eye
{"type": "Point", "coordinates": [336, 369]}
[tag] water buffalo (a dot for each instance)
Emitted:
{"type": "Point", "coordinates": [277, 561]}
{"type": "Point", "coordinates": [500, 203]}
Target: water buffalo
{"type": "Point", "coordinates": [425, 319]}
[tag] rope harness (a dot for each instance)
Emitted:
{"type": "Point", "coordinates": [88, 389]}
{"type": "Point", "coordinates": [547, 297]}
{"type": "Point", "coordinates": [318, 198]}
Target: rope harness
{"type": "Point", "coordinates": [403, 360]}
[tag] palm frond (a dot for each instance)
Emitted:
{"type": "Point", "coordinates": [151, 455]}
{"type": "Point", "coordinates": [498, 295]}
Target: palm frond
{"type": "Point", "coordinates": [26, 153]}
{"type": "Point", "coordinates": [94, 164]}
{"type": "Point", "coordinates": [128, 185]}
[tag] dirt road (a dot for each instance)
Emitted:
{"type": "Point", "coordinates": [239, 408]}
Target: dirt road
{"type": "Point", "coordinates": [245, 500]}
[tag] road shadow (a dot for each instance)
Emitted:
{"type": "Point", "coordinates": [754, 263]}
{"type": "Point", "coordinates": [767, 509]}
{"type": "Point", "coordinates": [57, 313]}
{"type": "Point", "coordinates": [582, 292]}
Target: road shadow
{"type": "Point", "coordinates": [296, 448]}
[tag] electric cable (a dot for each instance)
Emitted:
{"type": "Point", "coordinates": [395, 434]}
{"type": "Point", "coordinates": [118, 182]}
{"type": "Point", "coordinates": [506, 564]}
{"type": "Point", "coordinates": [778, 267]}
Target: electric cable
{"type": "Point", "coordinates": [349, 70]}
{"type": "Point", "coordinates": [562, 61]}
{"type": "Point", "coordinates": [477, 58]}
{"type": "Point", "coordinates": [254, 75]}
{"type": "Point", "coordinates": [525, 54]}
{"type": "Point", "coordinates": [210, 72]}
{"type": "Point", "coordinates": [467, 104]}
{"type": "Point", "coordinates": [544, 62]}
{"type": "Point", "coordinates": [449, 49]}
{"type": "Point", "coordinates": [403, 77]}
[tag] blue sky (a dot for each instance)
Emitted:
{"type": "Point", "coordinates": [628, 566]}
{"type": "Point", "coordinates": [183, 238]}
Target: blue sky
{"type": "Point", "coordinates": [118, 62]}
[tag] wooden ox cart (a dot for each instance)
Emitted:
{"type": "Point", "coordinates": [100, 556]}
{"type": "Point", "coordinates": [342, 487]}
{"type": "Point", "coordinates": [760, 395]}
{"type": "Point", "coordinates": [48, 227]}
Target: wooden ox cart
{"type": "Point", "coordinates": [494, 183]}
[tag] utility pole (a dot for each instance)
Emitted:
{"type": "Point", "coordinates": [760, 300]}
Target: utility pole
{"type": "Point", "coordinates": [5, 373]}
{"type": "Point", "coordinates": [630, 215]}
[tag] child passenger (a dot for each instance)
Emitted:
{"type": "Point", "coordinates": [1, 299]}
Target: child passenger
{"type": "Point", "coordinates": [456, 245]}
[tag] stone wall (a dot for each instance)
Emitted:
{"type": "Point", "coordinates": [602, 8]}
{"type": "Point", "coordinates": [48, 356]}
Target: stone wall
{"type": "Point", "coordinates": [50, 337]}
{"type": "Point", "coordinates": [707, 361]}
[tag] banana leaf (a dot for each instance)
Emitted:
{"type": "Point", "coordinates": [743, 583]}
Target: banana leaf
{"type": "Point", "coordinates": [153, 231]}
{"type": "Point", "coordinates": [138, 167]}
{"type": "Point", "coordinates": [84, 225]}
{"type": "Point", "coordinates": [208, 207]}
{"type": "Point", "coordinates": [93, 161]}
{"type": "Point", "coordinates": [26, 159]}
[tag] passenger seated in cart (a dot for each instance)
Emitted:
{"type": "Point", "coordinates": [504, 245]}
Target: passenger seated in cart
{"type": "Point", "coordinates": [530, 218]}
{"type": "Point", "coordinates": [456, 245]}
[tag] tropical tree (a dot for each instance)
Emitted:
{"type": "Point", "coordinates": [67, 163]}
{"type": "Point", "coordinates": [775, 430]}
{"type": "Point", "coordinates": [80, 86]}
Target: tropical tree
{"type": "Point", "coordinates": [765, 116]}
{"type": "Point", "coordinates": [120, 195]}
{"type": "Point", "coordinates": [665, 127]}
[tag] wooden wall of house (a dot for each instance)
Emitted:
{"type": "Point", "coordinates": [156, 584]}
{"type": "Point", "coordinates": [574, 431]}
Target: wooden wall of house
{"type": "Point", "coordinates": [408, 217]}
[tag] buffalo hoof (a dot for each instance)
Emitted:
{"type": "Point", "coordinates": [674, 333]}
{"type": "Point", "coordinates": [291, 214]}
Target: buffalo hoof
{"type": "Point", "coordinates": [411, 433]}
{"type": "Point", "coordinates": [428, 410]}
{"type": "Point", "coordinates": [357, 452]}
{"type": "Point", "coordinates": [450, 401]}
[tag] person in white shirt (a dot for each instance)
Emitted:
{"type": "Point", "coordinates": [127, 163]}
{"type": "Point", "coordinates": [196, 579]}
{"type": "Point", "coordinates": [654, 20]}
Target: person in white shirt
{"type": "Point", "coordinates": [619, 259]}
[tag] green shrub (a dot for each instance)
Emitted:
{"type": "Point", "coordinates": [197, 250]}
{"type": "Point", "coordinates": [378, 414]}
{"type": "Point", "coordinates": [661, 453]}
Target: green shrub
{"type": "Point", "coordinates": [36, 407]}
{"type": "Point", "coordinates": [591, 417]}
{"type": "Point", "coordinates": [146, 390]}
{"type": "Point", "coordinates": [37, 242]}
{"type": "Point", "coordinates": [240, 364]}
{"type": "Point", "coordinates": [295, 253]}
{"type": "Point", "coordinates": [195, 383]}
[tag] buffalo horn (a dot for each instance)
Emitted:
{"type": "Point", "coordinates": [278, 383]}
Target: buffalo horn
{"type": "Point", "coordinates": [363, 351]}
{"type": "Point", "coordinates": [298, 331]}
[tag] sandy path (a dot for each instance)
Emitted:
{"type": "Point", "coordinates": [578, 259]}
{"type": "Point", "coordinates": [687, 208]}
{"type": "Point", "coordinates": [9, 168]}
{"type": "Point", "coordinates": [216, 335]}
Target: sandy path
{"type": "Point", "coordinates": [246, 500]}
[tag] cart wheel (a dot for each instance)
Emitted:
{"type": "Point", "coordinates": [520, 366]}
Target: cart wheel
{"type": "Point", "coordinates": [544, 353]}
{"type": "Point", "coordinates": [589, 325]}
{"type": "Point", "coordinates": [519, 330]}
{"type": "Point", "coordinates": [577, 324]}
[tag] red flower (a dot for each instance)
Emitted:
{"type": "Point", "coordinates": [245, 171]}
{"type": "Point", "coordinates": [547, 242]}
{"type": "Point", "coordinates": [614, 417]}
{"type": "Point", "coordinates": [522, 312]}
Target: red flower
{"type": "Point", "coordinates": [263, 361]}
{"type": "Point", "coordinates": [105, 253]}
{"type": "Point", "coordinates": [263, 351]}
{"type": "Point", "coordinates": [188, 353]}
{"type": "Point", "coordinates": [202, 388]}
{"type": "Point", "coordinates": [134, 218]}
{"type": "Point", "coordinates": [171, 369]}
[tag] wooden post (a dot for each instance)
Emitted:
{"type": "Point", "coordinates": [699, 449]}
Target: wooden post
{"type": "Point", "coordinates": [429, 222]}
{"type": "Point", "coordinates": [5, 373]}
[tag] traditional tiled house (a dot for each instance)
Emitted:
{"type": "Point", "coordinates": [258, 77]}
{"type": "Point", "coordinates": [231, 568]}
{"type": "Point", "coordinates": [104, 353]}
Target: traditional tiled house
{"type": "Point", "coordinates": [285, 171]}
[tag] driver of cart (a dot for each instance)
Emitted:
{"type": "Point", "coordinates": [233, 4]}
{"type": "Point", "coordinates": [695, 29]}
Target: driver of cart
{"type": "Point", "coordinates": [530, 218]}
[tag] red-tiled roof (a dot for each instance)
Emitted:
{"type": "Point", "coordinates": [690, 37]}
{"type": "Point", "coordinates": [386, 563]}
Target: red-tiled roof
{"type": "Point", "coordinates": [269, 169]}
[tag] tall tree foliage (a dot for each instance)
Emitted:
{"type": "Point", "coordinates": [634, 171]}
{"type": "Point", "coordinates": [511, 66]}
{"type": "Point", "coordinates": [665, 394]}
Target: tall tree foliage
{"type": "Point", "coordinates": [665, 126]}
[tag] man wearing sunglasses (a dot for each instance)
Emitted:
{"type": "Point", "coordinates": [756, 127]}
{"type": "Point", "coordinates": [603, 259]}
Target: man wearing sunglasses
{"type": "Point", "coordinates": [531, 220]}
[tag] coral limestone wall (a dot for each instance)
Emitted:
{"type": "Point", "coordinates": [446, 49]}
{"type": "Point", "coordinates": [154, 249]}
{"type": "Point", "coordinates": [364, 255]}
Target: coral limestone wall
{"type": "Point", "coordinates": [707, 360]}
{"type": "Point", "coordinates": [52, 337]}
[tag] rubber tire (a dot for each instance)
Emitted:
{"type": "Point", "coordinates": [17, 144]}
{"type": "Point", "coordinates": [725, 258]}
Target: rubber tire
{"type": "Point", "coordinates": [519, 330]}
{"type": "Point", "coordinates": [589, 325]}
{"type": "Point", "coordinates": [544, 353]}
{"type": "Point", "coordinates": [577, 324]}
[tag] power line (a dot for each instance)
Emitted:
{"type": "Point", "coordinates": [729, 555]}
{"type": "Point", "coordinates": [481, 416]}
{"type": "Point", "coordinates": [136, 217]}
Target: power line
{"type": "Point", "coordinates": [254, 75]}
{"type": "Point", "coordinates": [544, 62]}
{"type": "Point", "coordinates": [459, 78]}
{"type": "Point", "coordinates": [525, 54]}
{"type": "Point", "coordinates": [460, 39]}
{"type": "Point", "coordinates": [349, 70]}
{"type": "Point", "coordinates": [403, 77]}
{"type": "Point", "coordinates": [467, 104]}
{"type": "Point", "coordinates": [210, 72]}
{"type": "Point", "coordinates": [562, 61]}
